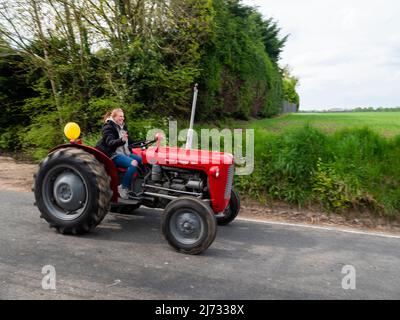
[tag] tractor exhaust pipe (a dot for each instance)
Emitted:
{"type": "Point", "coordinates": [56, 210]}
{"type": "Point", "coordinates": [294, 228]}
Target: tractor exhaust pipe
{"type": "Point", "coordinates": [189, 139]}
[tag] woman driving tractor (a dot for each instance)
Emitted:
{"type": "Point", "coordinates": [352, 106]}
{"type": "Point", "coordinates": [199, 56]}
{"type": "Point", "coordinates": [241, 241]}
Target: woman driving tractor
{"type": "Point", "coordinates": [115, 144]}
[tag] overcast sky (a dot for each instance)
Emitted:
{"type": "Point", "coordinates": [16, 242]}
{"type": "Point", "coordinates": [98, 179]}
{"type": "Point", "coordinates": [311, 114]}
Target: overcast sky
{"type": "Point", "coordinates": [346, 53]}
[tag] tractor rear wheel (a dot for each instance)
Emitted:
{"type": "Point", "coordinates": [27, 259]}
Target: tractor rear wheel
{"type": "Point", "coordinates": [72, 191]}
{"type": "Point", "coordinates": [231, 211]}
{"type": "Point", "coordinates": [189, 225]}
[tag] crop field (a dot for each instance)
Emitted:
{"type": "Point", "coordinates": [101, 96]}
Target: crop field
{"type": "Point", "coordinates": [384, 123]}
{"type": "Point", "coordinates": [342, 161]}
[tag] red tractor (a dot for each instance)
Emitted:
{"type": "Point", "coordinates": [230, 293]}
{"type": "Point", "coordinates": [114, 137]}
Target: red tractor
{"type": "Point", "coordinates": [77, 185]}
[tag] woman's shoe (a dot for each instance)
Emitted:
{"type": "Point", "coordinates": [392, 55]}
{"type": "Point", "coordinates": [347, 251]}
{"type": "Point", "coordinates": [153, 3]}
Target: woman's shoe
{"type": "Point", "coordinates": [123, 192]}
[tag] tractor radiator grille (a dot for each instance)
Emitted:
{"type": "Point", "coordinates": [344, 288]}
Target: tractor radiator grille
{"type": "Point", "coordinates": [229, 181]}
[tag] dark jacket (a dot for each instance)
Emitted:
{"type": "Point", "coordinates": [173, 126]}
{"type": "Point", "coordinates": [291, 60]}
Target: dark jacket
{"type": "Point", "coordinates": [110, 140]}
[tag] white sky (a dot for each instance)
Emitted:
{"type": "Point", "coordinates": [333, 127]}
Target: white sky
{"type": "Point", "coordinates": [346, 53]}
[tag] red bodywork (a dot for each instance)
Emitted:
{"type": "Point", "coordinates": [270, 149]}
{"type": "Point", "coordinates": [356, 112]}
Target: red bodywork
{"type": "Point", "coordinates": [200, 160]}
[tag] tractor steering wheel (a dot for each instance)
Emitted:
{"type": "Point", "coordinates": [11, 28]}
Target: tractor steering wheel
{"type": "Point", "coordinates": [142, 144]}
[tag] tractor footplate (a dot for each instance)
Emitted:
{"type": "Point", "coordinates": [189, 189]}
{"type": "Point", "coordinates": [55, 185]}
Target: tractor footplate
{"type": "Point", "coordinates": [129, 201]}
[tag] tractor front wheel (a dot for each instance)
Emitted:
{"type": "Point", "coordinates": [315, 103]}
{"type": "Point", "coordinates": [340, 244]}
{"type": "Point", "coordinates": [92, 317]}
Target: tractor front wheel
{"type": "Point", "coordinates": [189, 225]}
{"type": "Point", "coordinates": [72, 191]}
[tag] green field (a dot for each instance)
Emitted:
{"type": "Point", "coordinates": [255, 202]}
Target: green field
{"type": "Point", "coordinates": [341, 161]}
{"type": "Point", "coordinates": [384, 123]}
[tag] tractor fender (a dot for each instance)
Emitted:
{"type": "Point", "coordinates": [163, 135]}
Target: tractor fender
{"type": "Point", "coordinates": [109, 165]}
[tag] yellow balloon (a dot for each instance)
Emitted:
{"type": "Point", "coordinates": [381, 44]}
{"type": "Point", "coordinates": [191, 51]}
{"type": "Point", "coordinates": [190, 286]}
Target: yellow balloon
{"type": "Point", "coordinates": [72, 131]}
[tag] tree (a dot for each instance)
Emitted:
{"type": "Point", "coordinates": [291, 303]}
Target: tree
{"type": "Point", "coordinates": [21, 19]}
{"type": "Point", "coordinates": [290, 84]}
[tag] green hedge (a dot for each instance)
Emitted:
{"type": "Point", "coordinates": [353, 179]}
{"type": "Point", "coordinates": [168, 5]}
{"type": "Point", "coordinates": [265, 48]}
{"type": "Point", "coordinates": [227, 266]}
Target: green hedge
{"type": "Point", "coordinates": [351, 169]}
{"type": "Point", "coordinates": [238, 77]}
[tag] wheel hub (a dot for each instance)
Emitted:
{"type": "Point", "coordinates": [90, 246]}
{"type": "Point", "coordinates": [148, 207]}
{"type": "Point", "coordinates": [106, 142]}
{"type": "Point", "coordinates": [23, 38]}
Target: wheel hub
{"type": "Point", "coordinates": [69, 191]}
{"type": "Point", "coordinates": [64, 192]}
{"type": "Point", "coordinates": [186, 227]}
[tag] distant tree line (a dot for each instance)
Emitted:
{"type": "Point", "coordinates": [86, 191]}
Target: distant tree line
{"type": "Point", "coordinates": [380, 109]}
{"type": "Point", "coordinates": [71, 60]}
{"type": "Point", "coordinates": [366, 109]}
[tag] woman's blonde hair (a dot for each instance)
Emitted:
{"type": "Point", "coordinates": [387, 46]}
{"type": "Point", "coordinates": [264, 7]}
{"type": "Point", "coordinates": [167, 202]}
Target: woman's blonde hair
{"type": "Point", "coordinates": [112, 114]}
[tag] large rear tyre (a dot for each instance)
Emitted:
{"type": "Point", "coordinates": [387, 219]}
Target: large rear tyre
{"type": "Point", "coordinates": [72, 191]}
{"type": "Point", "coordinates": [231, 211]}
{"type": "Point", "coordinates": [189, 225]}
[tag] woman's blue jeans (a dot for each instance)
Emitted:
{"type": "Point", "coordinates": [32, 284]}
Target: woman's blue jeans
{"type": "Point", "coordinates": [126, 162]}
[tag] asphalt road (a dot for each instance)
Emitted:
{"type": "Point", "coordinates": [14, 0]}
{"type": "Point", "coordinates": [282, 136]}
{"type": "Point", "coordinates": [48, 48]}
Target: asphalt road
{"type": "Point", "coordinates": [126, 257]}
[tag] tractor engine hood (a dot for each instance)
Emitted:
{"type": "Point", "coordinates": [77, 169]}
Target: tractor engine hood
{"type": "Point", "coordinates": [218, 166]}
{"type": "Point", "coordinates": [180, 156]}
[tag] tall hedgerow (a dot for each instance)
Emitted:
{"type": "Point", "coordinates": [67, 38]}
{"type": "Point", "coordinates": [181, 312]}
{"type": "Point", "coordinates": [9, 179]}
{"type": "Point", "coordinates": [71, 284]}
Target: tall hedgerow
{"type": "Point", "coordinates": [81, 58]}
{"type": "Point", "coordinates": [239, 77]}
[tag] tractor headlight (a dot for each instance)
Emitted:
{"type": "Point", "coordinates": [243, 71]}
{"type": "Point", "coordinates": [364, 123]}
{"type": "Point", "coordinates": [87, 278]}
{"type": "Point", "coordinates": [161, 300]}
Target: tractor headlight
{"type": "Point", "coordinates": [214, 171]}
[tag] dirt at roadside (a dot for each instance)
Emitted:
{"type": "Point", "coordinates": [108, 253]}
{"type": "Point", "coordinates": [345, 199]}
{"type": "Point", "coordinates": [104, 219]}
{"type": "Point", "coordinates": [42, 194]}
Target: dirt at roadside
{"type": "Point", "coordinates": [281, 212]}
{"type": "Point", "coordinates": [18, 176]}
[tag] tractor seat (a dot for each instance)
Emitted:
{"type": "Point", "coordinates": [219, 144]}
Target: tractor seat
{"type": "Point", "coordinates": [123, 170]}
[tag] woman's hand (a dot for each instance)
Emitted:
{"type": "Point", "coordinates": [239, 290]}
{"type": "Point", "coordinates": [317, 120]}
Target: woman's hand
{"type": "Point", "coordinates": [134, 163]}
{"type": "Point", "coordinates": [125, 137]}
